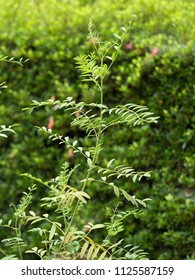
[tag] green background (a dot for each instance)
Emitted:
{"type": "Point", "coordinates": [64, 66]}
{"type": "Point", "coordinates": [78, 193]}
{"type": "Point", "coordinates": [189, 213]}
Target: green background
{"type": "Point", "coordinates": [156, 68]}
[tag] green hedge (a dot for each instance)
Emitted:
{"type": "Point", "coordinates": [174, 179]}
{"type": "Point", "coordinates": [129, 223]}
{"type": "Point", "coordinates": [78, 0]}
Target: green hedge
{"type": "Point", "coordinates": [156, 68]}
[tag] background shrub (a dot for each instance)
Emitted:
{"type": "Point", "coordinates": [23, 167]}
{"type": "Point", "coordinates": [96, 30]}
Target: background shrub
{"type": "Point", "coordinates": [155, 68]}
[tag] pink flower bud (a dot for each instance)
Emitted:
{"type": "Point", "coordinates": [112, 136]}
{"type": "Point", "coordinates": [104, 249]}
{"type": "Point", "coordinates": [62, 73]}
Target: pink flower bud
{"type": "Point", "coordinates": [129, 46]}
{"type": "Point", "coordinates": [155, 51]}
{"type": "Point", "coordinates": [70, 153]}
{"type": "Point", "coordinates": [50, 123]}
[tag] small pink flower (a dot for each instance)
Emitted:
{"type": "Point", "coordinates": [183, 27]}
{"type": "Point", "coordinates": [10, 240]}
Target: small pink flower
{"type": "Point", "coordinates": [50, 123]}
{"type": "Point", "coordinates": [155, 51]}
{"type": "Point", "coordinates": [70, 153]}
{"type": "Point", "coordinates": [129, 46]}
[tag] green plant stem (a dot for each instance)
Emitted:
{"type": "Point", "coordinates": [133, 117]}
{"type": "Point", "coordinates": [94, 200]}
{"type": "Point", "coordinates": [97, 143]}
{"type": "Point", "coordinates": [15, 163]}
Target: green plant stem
{"type": "Point", "coordinates": [101, 86]}
{"type": "Point", "coordinates": [95, 159]}
{"type": "Point", "coordinates": [77, 205]}
{"type": "Point", "coordinates": [96, 156]}
{"type": "Point", "coordinates": [18, 234]}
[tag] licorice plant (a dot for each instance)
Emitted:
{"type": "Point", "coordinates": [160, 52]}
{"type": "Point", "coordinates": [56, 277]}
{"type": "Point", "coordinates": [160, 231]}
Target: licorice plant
{"type": "Point", "coordinates": [60, 230]}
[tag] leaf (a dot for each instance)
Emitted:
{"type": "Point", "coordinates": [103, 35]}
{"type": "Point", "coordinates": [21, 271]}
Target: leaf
{"type": "Point", "coordinates": [109, 57]}
{"type": "Point", "coordinates": [129, 197]}
{"type": "Point", "coordinates": [89, 162]}
{"type": "Point", "coordinates": [84, 194]}
{"type": "Point", "coordinates": [117, 36]}
{"type": "Point", "coordinates": [89, 180]}
{"type": "Point", "coordinates": [74, 143]}
{"type": "Point", "coordinates": [90, 251]}
{"type": "Point", "coordinates": [135, 178]}
{"type": "Point", "coordinates": [147, 199]}
{"type": "Point", "coordinates": [46, 215]}
{"type": "Point", "coordinates": [87, 154]}
{"type": "Point", "coordinates": [126, 195]}
{"type": "Point", "coordinates": [100, 170]}
{"type": "Point", "coordinates": [69, 236]}
{"type": "Point", "coordinates": [37, 220]}
{"type": "Point", "coordinates": [147, 174]}
{"type": "Point", "coordinates": [32, 213]}
{"type": "Point", "coordinates": [52, 232]}
{"type": "Point", "coordinates": [9, 257]}
{"type": "Point", "coordinates": [80, 195]}
{"type": "Point", "coordinates": [110, 162]}
{"type": "Point", "coordinates": [83, 249]}
{"type": "Point", "coordinates": [33, 250]}
{"type": "Point", "coordinates": [141, 202]}
{"type": "Point", "coordinates": [116, 191]}
{"type": "Point", "coordinates": [102, 256]}
{"type": "Point", "coordinates": [97, 226]}
{"type": "Point", "coordinates": [102, 106]}
{"type": "Point", "coordinates": [94, 255]}
{"type": "Point", "coordinates": [42, 252]}
{"type": "Point", "coordinates": [3, 135]}
{"type": "Point", "coordinates": [123, 29]}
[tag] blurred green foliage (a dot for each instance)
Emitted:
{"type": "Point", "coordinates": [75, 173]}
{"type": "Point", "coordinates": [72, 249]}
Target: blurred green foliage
{"type": "Point", "coordinates": [155, 68]}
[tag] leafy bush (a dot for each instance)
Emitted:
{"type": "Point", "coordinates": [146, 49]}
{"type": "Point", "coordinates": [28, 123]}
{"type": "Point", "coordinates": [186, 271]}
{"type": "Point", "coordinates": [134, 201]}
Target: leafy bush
{"type": "Point", "coordinates": [155, 68]}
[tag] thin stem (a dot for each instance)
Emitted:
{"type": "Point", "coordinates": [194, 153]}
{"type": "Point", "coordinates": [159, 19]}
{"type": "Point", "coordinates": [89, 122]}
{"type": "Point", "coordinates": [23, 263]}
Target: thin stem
{"type": "Point", "coordinates": [95, 159]}
{"type": "Point", "coordinates": [18, 234]}
{"type": "Point", "coordinates": [77, 204]}
{"type": "Point", "coordinates": [101, 93]}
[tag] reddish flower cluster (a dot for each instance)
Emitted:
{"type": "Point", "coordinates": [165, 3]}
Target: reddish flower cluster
{"type": "Point", "coordinates": [129, 46]}
{"type": "Point", "coordinates": [51, 122]}
{"type": "Point", "coordinates": [70, 153]}
{"type": "Point", "coordinates": [154, 51]}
